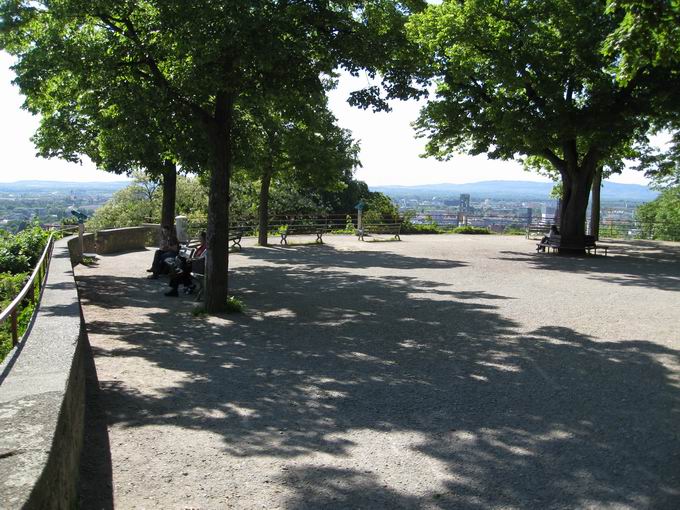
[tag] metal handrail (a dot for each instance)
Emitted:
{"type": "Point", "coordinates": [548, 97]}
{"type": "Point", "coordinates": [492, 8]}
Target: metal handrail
{"type": "Point", "coordinates": [39, 272]}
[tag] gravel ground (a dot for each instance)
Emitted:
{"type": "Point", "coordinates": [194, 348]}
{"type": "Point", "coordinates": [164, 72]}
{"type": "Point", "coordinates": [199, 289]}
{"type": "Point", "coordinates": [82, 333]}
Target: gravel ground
{"type": "Point", "coordinates": [437, 372]}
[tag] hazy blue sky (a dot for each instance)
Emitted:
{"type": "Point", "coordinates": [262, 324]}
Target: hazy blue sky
{"type": "Point", "coordinates": [389, 151]}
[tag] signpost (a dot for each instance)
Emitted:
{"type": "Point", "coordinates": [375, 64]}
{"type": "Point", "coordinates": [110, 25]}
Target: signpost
{"type": "Point", "coordinates": [360, 207]}
{"type": "Point", "coordinates": [81, 229]}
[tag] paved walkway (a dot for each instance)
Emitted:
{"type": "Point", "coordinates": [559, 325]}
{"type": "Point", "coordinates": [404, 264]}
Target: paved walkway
{"type": "Point", "coordinates": [437, 372]}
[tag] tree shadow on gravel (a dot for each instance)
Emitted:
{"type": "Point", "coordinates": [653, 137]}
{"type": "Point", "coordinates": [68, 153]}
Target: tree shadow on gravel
{"type": "Point", "coordinates": [548, 419]}
{"type": "Point", "coordinates": [630, 263]}
{"type": "Point", "coordinates": [326, 256]}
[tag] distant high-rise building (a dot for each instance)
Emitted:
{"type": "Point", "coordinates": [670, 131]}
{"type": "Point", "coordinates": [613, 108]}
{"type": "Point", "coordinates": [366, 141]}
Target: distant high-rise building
{"type": "Point", "coordinates": [463, 209]}
{"type": "Point", "coordinates": [464, 206]}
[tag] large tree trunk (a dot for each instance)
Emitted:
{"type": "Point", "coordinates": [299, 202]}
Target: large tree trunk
{"type": "Point", "coordinates": [263, 207]}
{"type": "Point", "coordinates": [576, 190]}
{"type": "Point", "coordinates": [595, 205]}
{"type": "Point", "coordinates": [169, 194]}
{"type": "Point", "coordinates": [217, 261]}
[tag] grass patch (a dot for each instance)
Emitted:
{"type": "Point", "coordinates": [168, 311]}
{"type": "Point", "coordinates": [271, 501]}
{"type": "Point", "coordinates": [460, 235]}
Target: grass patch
{"type": "Point", "coordinates": [199, 311]}
{"type": "Point", "coordinates": [89, 261]}
{"type": "Point", "coordinates": [303, 243]}
{"type": "Point", "coordinates": [234, 305]}
{"type": "Point", "coordinates": [471, 230]}
{"type": "Point", "coordinates": [514, 231]}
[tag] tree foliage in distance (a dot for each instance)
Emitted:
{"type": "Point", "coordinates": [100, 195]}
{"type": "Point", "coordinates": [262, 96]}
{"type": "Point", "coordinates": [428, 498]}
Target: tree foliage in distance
{"type": "Point", "coordinates": [295, 139]}
{"type": "Point", "coordinates": [660, 218]}
{"type": "Point", "coordinates": [141, 202]}
{"type": "Point", "coordinates": [519, 78]}
{"type": "Point", "coordinates": [662, 166]}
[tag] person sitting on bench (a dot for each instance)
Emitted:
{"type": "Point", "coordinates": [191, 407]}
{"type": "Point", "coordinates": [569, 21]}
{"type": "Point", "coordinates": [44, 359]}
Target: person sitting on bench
{"type": "Point", "coordinates": [169, 248]}
{"type": "Point", "coordinates": [196, 263]}
{"type": "Point", "coordinates": [546, 239]}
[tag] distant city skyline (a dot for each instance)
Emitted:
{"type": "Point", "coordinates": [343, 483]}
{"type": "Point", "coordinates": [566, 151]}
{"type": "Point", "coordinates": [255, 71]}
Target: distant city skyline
{"type": "Point", "coordinates": [389, 149]}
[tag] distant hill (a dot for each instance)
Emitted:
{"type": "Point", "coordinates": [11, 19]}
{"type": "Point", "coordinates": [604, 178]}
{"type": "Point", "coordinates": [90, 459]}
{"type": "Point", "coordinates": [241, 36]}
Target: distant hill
{"type": "Point", "coordinates": [511, 190]}
{"type": "Point", "coordinates": [60, 186]}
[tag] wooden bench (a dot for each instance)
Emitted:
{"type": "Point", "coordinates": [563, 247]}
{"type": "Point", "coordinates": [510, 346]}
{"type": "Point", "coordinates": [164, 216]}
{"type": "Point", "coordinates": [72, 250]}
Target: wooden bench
{"type": "Point", "coordinates": [318, 229]}
{"type": "Point", "coordinates": [235, 237]}
{"type": "Point", "coordinates": [540, 229]}
{"type": "Point", "coordinates": [553, 244]}
{"type": "Point", "coordinates": [393, 229]}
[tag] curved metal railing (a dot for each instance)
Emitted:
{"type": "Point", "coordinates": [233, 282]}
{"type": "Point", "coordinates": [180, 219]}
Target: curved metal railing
{"type": "Point", "coordinates": [38, 275]}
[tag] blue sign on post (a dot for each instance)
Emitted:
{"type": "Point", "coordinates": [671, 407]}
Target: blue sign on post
{"type": "Point", "coordinates": [360, 206]}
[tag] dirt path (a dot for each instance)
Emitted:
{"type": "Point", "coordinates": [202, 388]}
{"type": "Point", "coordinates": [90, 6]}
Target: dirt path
{"type": "Point", "coordinates": [439, 372]}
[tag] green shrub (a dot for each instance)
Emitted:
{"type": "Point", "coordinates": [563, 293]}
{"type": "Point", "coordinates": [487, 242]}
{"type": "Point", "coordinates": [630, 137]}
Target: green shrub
{"type": "Point", "coordinates": [428, 228]}
{"type": "Point", "coordinates": [514, 231]}
{"type": "Point", "coordinates": [23, 320]}
{"type": "Point", "coordinates": [10, 285]}
{"type": "Point", "coordinates": [20, 252]}
{"type": "Point", "coordinates": [471, 230]}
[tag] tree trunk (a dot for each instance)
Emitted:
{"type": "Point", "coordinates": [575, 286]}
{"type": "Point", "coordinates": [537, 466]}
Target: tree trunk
{"type": "Point", "coordinates": [217, 261]}
{"type": "Point", "coordinates": [595, 205]}
{"type": "Point", "coordinates": [169, 194]}
{"type": "Point", "coordinates": [263, 207]}
{"type": "Point", "coordinates": [576, 190]}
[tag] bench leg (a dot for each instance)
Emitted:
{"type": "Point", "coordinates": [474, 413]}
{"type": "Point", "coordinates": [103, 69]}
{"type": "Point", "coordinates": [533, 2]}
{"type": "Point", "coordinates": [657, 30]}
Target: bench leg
{"type": "Point", "coordinates": [283, 239]}
{"type": "Point", "coordinates": [318, 238]}
{"type": "Point", "coordinates": [199, 284]}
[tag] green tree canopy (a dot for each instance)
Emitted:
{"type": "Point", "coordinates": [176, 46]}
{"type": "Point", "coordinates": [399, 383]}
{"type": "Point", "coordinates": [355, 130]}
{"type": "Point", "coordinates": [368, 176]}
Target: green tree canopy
{"type": "Point", "coordinates": [660, 218]}
{"type": "Point", "coordinates": [296, 139]}
{"type": "Point", "coordinates": [200, 59]}
{"type": "Point", "coordinates": [519, 78]}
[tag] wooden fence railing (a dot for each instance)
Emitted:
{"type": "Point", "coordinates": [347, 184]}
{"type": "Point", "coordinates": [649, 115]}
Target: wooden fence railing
{"type": "Point", "coordinates": [28, 290]}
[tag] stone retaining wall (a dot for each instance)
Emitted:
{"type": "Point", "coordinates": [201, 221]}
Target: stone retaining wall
{"type": "Point", "coordinates": [125, 239]}
{"type": "Point", "coordinates": [42, 391]}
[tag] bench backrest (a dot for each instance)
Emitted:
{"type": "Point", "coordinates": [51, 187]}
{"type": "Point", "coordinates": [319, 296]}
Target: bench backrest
{"type": "Point", "coordinates": [187, 251]}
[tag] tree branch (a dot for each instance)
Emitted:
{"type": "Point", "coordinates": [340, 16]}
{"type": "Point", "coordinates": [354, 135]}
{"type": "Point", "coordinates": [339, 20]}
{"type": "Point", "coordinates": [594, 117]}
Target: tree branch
{"type": "Point", "coordinates": [534, 97]}
{"type": "Point", "coordinates": [130, 33]}
{"type": "Point", "coordinates": [554, 159]}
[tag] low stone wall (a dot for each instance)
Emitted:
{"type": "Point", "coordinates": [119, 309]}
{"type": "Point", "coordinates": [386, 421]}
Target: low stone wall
{"type": "Point", "coordinates": [74, 247]}
{"type": "Point", "coordinates": [125, 239]}
{"type": "Point", "coordinates": [42, 392]}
